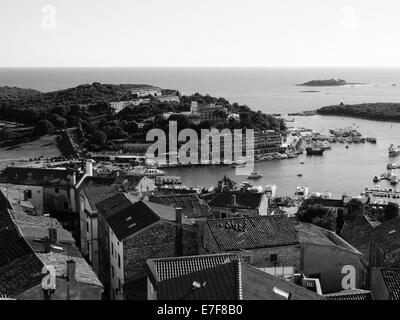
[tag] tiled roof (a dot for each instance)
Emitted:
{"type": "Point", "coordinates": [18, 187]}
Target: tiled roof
{"type": "Point", "coordinates": [392, 281]}
{"type": "Point", "coordinates": [113, 205]}
{"type": "Point", "coordinates": [350, 294]}
{"type": "Point", "coordinates": [220, 283]}
{"type": "Point", "coordinates": [131, 181]}
{"type": "Point", "coordinates": [387, 235]}
{"type": "Point", "coordinates": [20, 268]}
{"type": "Point", "coordinates": [192, 206]}
{"type": "Point", "coordinates": [220, 277]}
{"type": "Point", "coordinates": [336, 203]}
{"type": "Point", "coordinates": [166, 268]}
{"type": "Point", "coordinates": [312, 234]}
{"type": "Point", "coordinates": [37, 176]}
{"type": "Point", "coordinates": [98, 193]}
{"type": "Point", "coordinates": [131, 219]}
{"type": "Point", "coordinates": [244, 200]}
{"type": "Point", "coordinates": [35, 229]}
{"type": "Point", "coordinates": [253, 232]}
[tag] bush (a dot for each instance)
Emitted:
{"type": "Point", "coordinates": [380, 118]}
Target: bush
{"type": "Point", "coordinates": [43, 127]}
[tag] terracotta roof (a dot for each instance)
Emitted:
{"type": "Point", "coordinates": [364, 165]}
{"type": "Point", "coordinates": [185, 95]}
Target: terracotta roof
{"type": "Point", "coordinates": [98, 193]}
{"type": "Point", "coordinates": [391, 277]}
{"type": "Point", "coordinates": [131, 219]}
{"type": "Point", "coordinates": [219, 277]}
{"type": "Point", "coordinates": [192, 206]}
{"type": "Point", "coordinates": [20, 268]}
{"type": "Point", "coordinates": [115, 204]}
{"type": "Point", "coordinates": [244, 200]}
{"type": "Point", "coordinates": [312, 234]}
{"type": "Point", "coordinates": [253, 232]}
{"type": "Point", "coordinates": [37, 176]}
{"type": "Point", "coordinates": [387, 235]}
{"type": "Point", "coordinates": [350, 294]}
{"type": "Point", "coordinates": [166, 268]}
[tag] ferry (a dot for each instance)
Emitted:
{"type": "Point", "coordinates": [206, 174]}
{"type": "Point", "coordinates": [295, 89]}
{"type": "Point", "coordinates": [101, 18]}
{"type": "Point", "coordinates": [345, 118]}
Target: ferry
{"type": "Point", "coordinates": [302, 192]}
{"type": "Point", "coordinates": [255, 175]}
{"type": "Point", "coordinates": [393, 151]}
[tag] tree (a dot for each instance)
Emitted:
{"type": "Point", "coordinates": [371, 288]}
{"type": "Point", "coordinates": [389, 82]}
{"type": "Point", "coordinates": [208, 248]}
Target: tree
{"type": "Point", "coordinates": [5, 134]}
{"type": "Point", "coordinates": [99, 137]}
{"type": "Point", "coordinates": [354, 209]}
{"type": "Point", "coordinates": [391, 211]}
{"type": "Point", "coordinates": [43, 127]}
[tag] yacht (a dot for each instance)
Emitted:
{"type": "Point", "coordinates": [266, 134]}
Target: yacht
{"type": "Point", "coordinates": [255, 175]}
{"type": "Point", "coordinates": [153, 172]}
{"type": "Point", "coordinates": [371, 140]}
{"type": "Point", "coordinates": [302, 192]}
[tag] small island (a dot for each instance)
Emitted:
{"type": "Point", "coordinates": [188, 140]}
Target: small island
{"type": "Point", "coordinates": [372, 111]}
{"type": "Point", "coordinates": [324, 83]}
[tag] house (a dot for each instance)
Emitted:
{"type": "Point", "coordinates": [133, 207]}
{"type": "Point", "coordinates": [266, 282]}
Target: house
{"type": "Point", "coordinates": [380, 244]}
{"type": "Point", "coordinates": [269, 243]}
{"type": "Point", "coordinates": [134, 232]}
{"type": "Point", "coordinates": [32, 246]}
{"type": "Point", "coordinates": [135, 184]}
{"type": "Point", "coordinates": [239, 203]}
{"type": "Point", "coordinates": [217, 277]}
{"type": "Point", "coordinates": [193, 208]}
{"type": "Point", "coordinates": [16, 199]}
{"type": "Point", "coordinates": [385, 283]}
{"type": "Point", "coordinates": [329, 258]}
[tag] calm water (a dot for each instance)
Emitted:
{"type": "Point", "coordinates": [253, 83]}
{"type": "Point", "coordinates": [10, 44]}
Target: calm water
{"type": "Point", "coordinates": [340, 170]}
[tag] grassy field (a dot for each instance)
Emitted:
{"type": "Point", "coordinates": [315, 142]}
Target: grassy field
{"type": "Point", "coordinates": [45, 146]}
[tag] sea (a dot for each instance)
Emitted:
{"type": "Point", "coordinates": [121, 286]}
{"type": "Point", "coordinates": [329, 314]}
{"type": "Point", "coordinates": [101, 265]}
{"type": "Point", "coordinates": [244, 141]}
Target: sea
{"type": "Point", "coordinates": [271, 90]}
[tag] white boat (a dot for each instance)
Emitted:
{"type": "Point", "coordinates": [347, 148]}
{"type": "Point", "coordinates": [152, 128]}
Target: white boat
{"type": "Point", "coordinates": [255, 175]}
{"type": "Point", "coordinates": [393, 151]}
{"type": "Point", "coordinates": [270, 190]}
{"type": "Point", "coordinates": [302, 192]}
{"type": "Point", "coordinates": [391, 166]}
{"type": "Point", "coordinates": [153, 172]}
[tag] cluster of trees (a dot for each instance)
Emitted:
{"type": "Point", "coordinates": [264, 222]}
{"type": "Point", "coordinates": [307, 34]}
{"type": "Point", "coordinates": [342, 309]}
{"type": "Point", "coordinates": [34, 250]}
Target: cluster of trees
{"type": "Point", "coordinates": [374, 111]}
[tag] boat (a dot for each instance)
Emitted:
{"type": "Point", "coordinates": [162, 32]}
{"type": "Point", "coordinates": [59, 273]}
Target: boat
{"type": "Point", "coordinates": [391, 166]}
{"type": "Point", "coordinates": [393, 151]}
{"type": "Point", "coordinates": [153, 172]}
{"type": "Point", "coordinates": [315, 151]}
{"type": "Point", "coordinates": [394, 181]}
{"type": "Point", "coordinates": [301, 192]}
{"type": "Point", "coordinates": [255, 175]}
{"type": "Point", "coordinates": [371, 140]}
{"type": "Point", "coordinates": [302, 162]}
{"type": "Point", "coordinates": [300, 175]}
{"type": "Point", "coordinates": [376, 179]}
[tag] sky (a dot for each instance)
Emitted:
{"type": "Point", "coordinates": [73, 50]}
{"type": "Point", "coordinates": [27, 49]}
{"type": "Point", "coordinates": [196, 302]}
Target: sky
{"type": "Point", "coordinates": [212, 33]}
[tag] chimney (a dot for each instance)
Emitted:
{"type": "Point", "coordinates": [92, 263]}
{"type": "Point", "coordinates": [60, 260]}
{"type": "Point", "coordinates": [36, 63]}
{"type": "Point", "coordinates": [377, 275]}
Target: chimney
{"type": "Point", "coordinates": [178, 233]}
{"type": "Point", "coordinates": [53, 235]}
{"type": "Point", "coordinates": [89, 167]}
{"type": "Point", "coordinates": [234, 203]}
{"type": "Point", "coordinates": [72, 179]}
{"type": "Point", "coordinates": [71, 268]}
{"type": "Point", "coordinates": [46, 245]}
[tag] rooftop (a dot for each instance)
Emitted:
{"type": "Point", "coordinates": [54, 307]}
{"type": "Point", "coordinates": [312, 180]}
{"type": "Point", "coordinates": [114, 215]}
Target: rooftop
{"type": "Point", "coordinates": [98, 193]}
{"type": "Point", "coordinates": [391, 277]}
{"type": "Point", "coordinates": [350, 294]}
{"type": "Point", "coordinates": [192, 206]}
{"type": "Point", "coordinates": [244, 200]}
{"type": "Point", "coordinates": [37, 176]}
{"type": "Point", "coordinates": [253, 232]}
{"type": "Point", "coordinates": [221, 277]}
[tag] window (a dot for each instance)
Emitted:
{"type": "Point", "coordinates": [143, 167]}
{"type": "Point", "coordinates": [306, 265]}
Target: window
{"type": "Point", "coordinates": [28, 194]}
{"type": "Point", "coordinates": [273, 257]}
{"type": "Point", "coordinates": [57, 190]}
{"type": "Point", "coordinates": [112, 249]}
{"type": "Point", "coordinates": [112, 272]}
{"type": "Point", "coordinates": [87, 226]}
{"type": "Point", "coordinates": [119, 261]}
{"type": "Point", "coordinates": [65, 205]}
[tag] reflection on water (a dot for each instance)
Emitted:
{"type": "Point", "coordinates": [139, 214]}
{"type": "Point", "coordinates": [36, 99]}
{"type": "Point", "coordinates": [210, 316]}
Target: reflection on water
{"type": "Point", "coordinates": [339, 171]}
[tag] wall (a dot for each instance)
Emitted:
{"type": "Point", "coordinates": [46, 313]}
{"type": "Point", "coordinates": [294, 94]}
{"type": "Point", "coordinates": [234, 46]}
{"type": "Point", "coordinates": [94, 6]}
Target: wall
{"type": "Point", "coordinates": [53, 201]}
{"type": "Point", "coordinates": [328, 261]}
{"type": "Point", "coordinates": [104, 254]}
{"type": "Point", "coordinates": [145, 185]}
{"type": "Point", "coordinates": [78, 291]}
{"type": "Point", "coordinates": [378, 287]}
{"type": "Point", "coordinates": [36, 192]}
{"type": "Point", "coordinates": [116, 269]}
